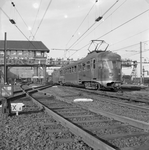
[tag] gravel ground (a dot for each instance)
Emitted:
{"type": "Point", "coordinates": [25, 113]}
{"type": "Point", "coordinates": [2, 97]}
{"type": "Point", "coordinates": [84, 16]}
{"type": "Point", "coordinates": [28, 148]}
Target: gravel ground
{"type": "Point", "coordinates": [99, 103]}
{"type": "Point", "coordinates": [27, 132]}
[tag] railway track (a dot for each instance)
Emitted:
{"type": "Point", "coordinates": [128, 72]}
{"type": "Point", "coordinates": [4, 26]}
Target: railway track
{"type": "Point", "coordinates": [33, 128]}
{"type": "Point", "coordinates": [125, 96]}
{"type": "Point", "coordinates": [99, 131]}
{"type": "Point", "coordinates": [126, 112]}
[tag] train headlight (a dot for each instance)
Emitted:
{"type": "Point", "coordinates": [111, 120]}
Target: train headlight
{"type": "Point", "coordinates": [110, 75]}
{"type": "Point", "coordinates": [117, 85]}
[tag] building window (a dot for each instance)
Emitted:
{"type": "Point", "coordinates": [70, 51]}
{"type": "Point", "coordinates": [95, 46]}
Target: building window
{"type": "Point", "coordinates": [38, 53]}
{"type": "Point", "coordinates": [13, 52]}
{"type": "Point", "coordinates": [20, 53]}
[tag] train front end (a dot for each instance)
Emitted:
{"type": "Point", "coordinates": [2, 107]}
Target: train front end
{"type": "Point", "coordinates": [110, 72]}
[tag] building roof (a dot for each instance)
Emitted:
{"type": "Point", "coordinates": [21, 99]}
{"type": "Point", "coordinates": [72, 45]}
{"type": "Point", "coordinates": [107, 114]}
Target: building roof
{"type": "Point", "coordinates": [24, 45]}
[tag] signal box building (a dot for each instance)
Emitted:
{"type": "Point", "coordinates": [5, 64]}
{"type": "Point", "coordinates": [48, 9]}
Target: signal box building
{"type": "Point", "coordinates": [23, 54]}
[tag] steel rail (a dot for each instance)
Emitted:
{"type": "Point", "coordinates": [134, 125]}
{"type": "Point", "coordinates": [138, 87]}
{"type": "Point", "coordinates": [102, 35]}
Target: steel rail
{"type": "Point", "coordinates": [95, 143]}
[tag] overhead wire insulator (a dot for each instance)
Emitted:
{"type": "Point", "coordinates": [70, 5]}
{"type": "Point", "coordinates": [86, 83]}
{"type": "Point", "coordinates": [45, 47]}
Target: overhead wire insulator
{"type": "Point", "coordinates": [99, 18]}
{"type": "Point", "coordinates": [13, 4]}
{"type": "Point", "coordinates": [12, 21]}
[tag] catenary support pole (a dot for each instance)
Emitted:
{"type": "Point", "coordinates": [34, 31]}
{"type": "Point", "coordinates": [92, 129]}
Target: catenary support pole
{"type": "Point", "coordinates": [140, 62]}
{"type": "Point", "coordinates": [5, 65]}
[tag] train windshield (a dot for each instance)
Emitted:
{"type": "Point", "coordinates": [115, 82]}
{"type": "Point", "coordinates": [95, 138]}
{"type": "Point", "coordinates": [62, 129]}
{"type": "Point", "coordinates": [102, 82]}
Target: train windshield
{"type": "Point", "coordinates": [114, 64]}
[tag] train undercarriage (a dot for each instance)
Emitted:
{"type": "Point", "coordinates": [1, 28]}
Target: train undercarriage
{"type": "Point", "coordinates": [113, 86]}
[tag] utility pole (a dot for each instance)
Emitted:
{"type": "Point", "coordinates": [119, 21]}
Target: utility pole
{"type": "Point", "coordinates": [140, 62]}
{"type": "Point", "coordinates": [5, 65]}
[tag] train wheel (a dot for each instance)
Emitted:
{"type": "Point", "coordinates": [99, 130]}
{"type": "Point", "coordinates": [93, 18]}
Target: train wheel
{"type": "Point", "coordinates": [87, 85]}
{"type": "Point", "coordinates": [96, 86]}
{"type": "Point", "coordinates": [101, 87]}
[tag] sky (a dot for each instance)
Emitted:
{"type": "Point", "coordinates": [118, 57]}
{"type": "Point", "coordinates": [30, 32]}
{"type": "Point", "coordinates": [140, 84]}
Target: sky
{"type": "Point", "coordinates": [70, 24]}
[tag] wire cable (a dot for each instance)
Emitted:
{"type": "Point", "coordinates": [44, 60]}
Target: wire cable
{"type": "Point", "coordinates": [37, 14]}
{"type": "Point", "coordinates": [81, 23]}
{"type": "Point", "coordinates": [122, 24]}
{"type": "Point", "coordinates": [13, 4]}
{"type": "Point", "coordinates": [129, 37]}
{"type": "Point", "coordinates": [92, 25]}
{"type": "Point", "coordinates": [126, 47]}
{"type": "Point", "coordinates": [18, 28]}
{"type": "Point", "coordinates": [104, 20]}
{"type": "Point", "coordinates": [42, 18]}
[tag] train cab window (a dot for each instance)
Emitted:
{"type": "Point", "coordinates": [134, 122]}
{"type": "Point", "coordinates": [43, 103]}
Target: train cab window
{"type": "Point", "coordinates": [116, 64]}
{"type": "Point", "coordinates": [110, 64]}
{"type": "Point", "coordinates": [119, 64]}
{"type": "Point", "coordinates": [105, 64]}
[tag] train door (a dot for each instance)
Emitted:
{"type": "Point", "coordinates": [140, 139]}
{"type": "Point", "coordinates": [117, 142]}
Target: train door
{"type": "Point", "coordinates": [79, 78]}
{"type": "Point", "coordinates": [93, 69]}
{"type": "Point", "coordinates": [100, 70]}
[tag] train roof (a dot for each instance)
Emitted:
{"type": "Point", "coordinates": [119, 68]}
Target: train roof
{"type": "Point", "coordinates": [103, 54]}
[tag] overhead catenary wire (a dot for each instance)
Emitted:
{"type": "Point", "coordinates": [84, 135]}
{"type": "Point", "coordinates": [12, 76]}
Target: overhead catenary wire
{"type": "Point", "coordinates": [120, 25]}
{"type": "Point", "coordinates": [82, 22]}
{"type": "Point", "coordinates": [17, 27]}
{"type": "Point", "coordinates": [123, 24]}
{"type": "Point", "coordinates": [126, 47]}
{"type": "Point", "coordinates": [13, 4]}
{"type": "Point", "coordinates": [104, 20]}
{"type": "Point", "coordinates": [93, 24]}
{"type": "Point", "coordinates": [42, 19]}
{"type": "Point", "coordinates": [37, 14]}
{"type": "Point", "coordinates": [129, 37]}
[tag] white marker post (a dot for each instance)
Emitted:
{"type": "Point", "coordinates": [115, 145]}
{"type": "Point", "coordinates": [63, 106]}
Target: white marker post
{"type": "Point", "coordinates": [16, 107]}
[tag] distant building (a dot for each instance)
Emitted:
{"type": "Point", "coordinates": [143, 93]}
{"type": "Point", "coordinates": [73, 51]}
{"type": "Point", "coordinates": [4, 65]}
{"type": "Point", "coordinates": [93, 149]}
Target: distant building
{"type": "Point", "coordinates": [51, 69]}
{"type": "Point", "coordinates": [24, 58]}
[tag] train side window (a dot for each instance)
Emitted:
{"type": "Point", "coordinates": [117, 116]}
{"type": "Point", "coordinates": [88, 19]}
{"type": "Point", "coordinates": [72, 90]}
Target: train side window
{"type": "Point", "coordinates": [94, 63]}
{"type": "Point", "coordinates": [61, 72]}
{"type": "Point", "coordinates": [75, 68]}
{"type": "Point", "coordinates": [83, 66]}
{"type": "Point", "coordinates": [88, 65]}
{"type": "Point", "coordinates": [79, 67]}
{"type": "Point", "coordinates": [64, 71]}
